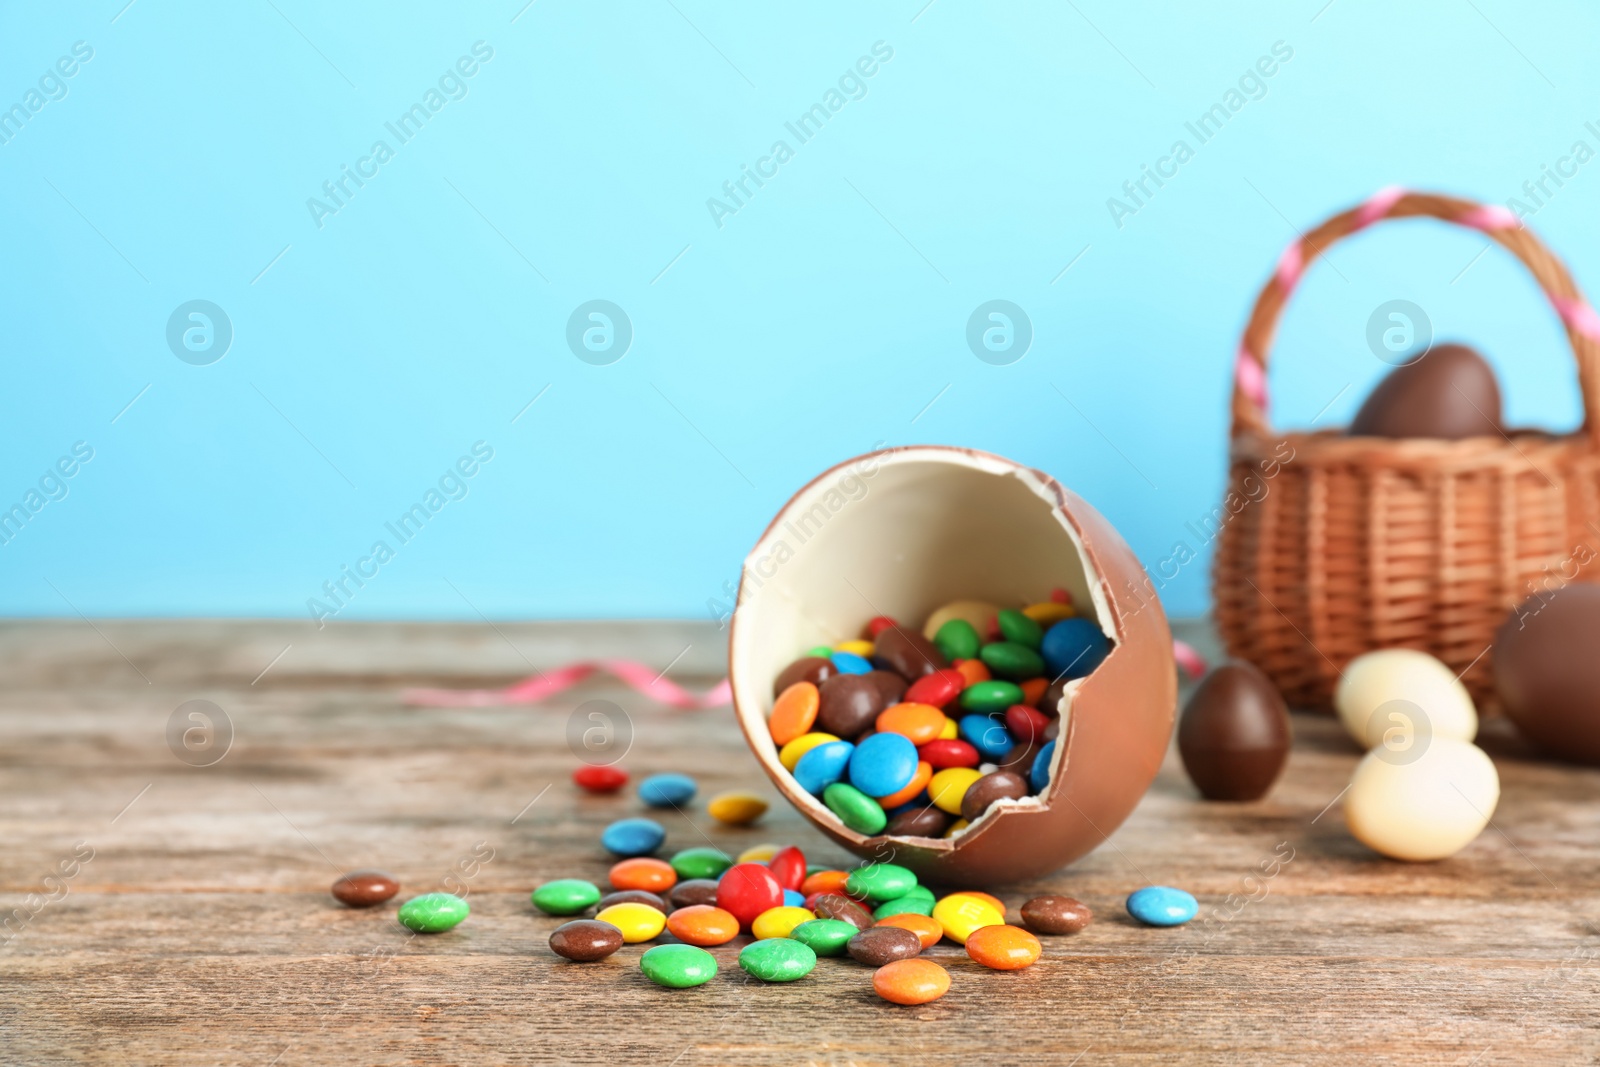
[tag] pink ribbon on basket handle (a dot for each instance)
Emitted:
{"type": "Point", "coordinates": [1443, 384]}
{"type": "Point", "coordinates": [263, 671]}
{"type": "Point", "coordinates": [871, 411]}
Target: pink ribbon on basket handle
{"type": "Point", "coordinates": [643, 680]}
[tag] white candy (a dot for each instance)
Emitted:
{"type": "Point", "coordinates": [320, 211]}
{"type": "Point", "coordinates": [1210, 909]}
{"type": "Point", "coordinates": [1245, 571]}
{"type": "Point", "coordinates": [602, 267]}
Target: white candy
{"type": "Point", "coordinates": [1424, 802]}
{"type": "Point", "coordinates": [1403, 691]}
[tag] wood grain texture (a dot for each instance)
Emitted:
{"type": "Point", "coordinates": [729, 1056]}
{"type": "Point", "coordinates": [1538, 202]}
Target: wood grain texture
{"type": "Point", "coordinates": [202, 931]}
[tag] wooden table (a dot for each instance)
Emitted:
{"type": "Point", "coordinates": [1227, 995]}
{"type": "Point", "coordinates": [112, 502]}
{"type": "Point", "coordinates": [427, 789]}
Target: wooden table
{"type": "Point", "coordinates": [202, 932]}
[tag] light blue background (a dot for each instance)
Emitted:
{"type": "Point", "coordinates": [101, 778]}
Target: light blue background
{"type": "Point", "coordinates": [821, 319]}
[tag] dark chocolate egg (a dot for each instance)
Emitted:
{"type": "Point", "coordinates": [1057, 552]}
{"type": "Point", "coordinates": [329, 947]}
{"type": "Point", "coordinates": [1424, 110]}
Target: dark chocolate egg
{"type": "Point", "coordinates": [1547, 671]}
{"type": "Point", "coordinates": [1449, 392]}
{"type": "Point", "coordinates": [1234, 735]}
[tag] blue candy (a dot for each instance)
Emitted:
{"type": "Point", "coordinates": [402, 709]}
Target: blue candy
{"type": "Point", "coordinates": [1039, 773]}
{"type": "Point", "coordinates": [986, 734]}
{"type": "Point", "coordinates": [883, 764]}
{"type": "Point", "coordinates": [850, 663]}
{"type": "Point", "coordinates": [793, 899]}
{"type": "Point", "coordinates": [667, 790]}
{"type": "Point", "coordinates": [822, 766]}
{"type": "Point", "coordinates": [633, 837]}
{"type": "Point", "coordinates": [1160, 905]}
{"type": "Point", "coordinates": [1074, 647]}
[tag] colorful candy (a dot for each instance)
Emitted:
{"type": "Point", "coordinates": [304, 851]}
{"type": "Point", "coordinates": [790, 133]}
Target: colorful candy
{"type": "Point", "coordinates": [788, 866]}
{"type": "Point", "coordinates": [633, 837]}
{"type": "Point", "coordinates": [433, 913]}
{"type": "Point", "coordinates": [747, 890]}
{"type": "Point", "coordinates": [1160, 905]}
{"type": "Point", "coordinates": [667, 790]}
{"type": "Point", "coordinates": [824, 765]}
{"type": "Point", "coordinates": [638, 922]}
{"type": "Point", "coordinates": [1074, 647]}
{"type": "Point", "coordinates": [962, 913]}
{"type": "Point", "coordinates": [880, 945]}
{"type": "Point", "coordinates": [701, 862]}
{"type": "Point", "coordinates": [778, 959]}
{"type": "Point", "coordinates": [597, 779]}
{"type": "Point", "coordinates": [794, 712]}
{"type": "Point", "coordinates": [850, 663]}
{"type": "Point", "coordinates": [678, 966]}
{"type": "Point", "coordinates": [924, 926]}
{"type": "Point", "coordinates": [363, 889]}
{"type": "Point", "coordinates": [947, 787]}
{"type": "Point", "coordinates": [651, 875]}
{"type": "Point", "coordinates": [585, 940]}
{"type": "Point", "coordinates": [1056, 915]}
{"type": "Point", "coordinates": [702, 924]}
{"type": "Point", "coordinates": [877, 882]}
{"type": "Point", "coordinates": [1003, 948]}
{"type": "Point", "coordinates": [883, 764]}
{"type": "Point", "coordinates": [825, 937]}
{"type": "Point", "coordinates": [779, 922]}
{"type": "Point", "coordinates": [566, 896]}
{"type": "Point", "coordinates": [790, 754]}
{"type": "Point", "coordinates": [736, 809]}
{"type": "Point", "coordinates": [694, 891]}
{"type": "Point", "coordinates": [912, 981]}
{"type": "Point", "coordinates": [855, 809]}
{"type": "Point", "coordinates": [634, 896]}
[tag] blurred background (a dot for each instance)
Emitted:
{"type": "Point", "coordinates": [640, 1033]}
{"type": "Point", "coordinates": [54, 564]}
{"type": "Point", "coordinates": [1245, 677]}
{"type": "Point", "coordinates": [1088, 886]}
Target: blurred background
{"type": "Point", "coordinates": [559, 302]}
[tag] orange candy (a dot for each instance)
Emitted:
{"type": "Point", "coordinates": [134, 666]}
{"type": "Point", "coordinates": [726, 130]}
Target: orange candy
{"type": "Point", "coordinates": [702, 925]}
{"type": "Point", "coordinates": [1033, 691]}
{"type": "Point", "coordinates": [913, 789]}
{"type": "Point", "coordinates": [923, 926]}
{"type": "Point", "coordinates": [919, 722]}
{"type": "Point", "coordinates": [1003, 948]}
{"type": "Point", "coordinates": [651, 875]}
{"type": "Point", "coordinates": [913, 981]}
{"type": "Point", "coordinates": [972, 670]}
{"type": "Point", "coordinates": [998, 905]}
{"type": "Point", "coordinates": [794, 713]}
{"type": "Point", "coordinates": [825, 882]}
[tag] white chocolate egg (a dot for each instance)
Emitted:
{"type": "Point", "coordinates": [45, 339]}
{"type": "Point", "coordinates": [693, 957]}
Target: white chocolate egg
{"type": "Point", "coordinates": [1423, 803]}
{"type": "Point", "coordinates": [977, 612]}
{"type": "Point", "coordinates": [1405, 690]}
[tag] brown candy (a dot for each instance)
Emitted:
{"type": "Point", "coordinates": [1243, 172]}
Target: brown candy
{"type": "Point", "coordinates": [1051, 701]}
{"type": "Point", "coordinates": [585, 940]}
{"type": "Point", "coordinates": [908, 653]}
{"type": "Point", "coordinates": [849, 704]}
{"type": "Point", "coordinates": [991, 787]}
{"type": "Point", "coordinates": [363, 889]}
{"type": "Point", "coordinates": [890, 684]}
{"type": "Point", "coordinates": [1020, 758]}
{"type": "Point", "coordinates": [1234, 736]}
{"type": "Point", "coordinates": [838, 906]}
{"type": "Point", "coordinates": [633, 896]}
{"type": "Point", "coordinates": [694, 891]}
{"type": "Point", "coordinates": [1449, 392]}
{"type": "Point", "coordinates": [919, 822]}
{"type": "Point", "coordinates": [1547, 671]}
{"type": "Point", "coordinates": [884, 944]}
{"type": "Point", "coordinates": [1056, 915]}
{"type": "Point", "coordinates": [813, 669]}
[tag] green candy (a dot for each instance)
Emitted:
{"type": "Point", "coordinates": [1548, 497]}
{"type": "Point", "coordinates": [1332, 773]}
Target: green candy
{"type": "Point", "coordinates": [678, 966]}
{"type": "Point", "coordinates": [903, 906]}
{"type": "Point", "coordinates": [778, 959]}
{"type": "Point", "coordinates": [957, 639]}
{"type": "Point", "coordinates": [1018, 628]}
{"type": "Point", "coordinates": [991, 697]}
{"type": "Point", "coordinates": [880, 881]}
{"type": "Point", "coordinates": [433, 913]}
{"type": "Point", "coordinates": [825, 937]}
{"type": "Point", "coordinates": [566, 896]}
{"type": "Point", "coordinates": [855, 809]}
{"type": "Point", "coordinates": [1011, 660]}
{"type": "Point", "coordinates": [702, 862]}
{"type": "Point", "coordinates": [821, 650]}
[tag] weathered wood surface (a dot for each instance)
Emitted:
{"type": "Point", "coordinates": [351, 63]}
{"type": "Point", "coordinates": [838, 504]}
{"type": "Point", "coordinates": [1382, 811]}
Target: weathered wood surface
{"type": "Point", "coordinates": [201, 932]}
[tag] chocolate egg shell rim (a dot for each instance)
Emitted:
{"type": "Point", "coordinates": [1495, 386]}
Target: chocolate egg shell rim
{"type": "Point", "coordinates": [751, 694]}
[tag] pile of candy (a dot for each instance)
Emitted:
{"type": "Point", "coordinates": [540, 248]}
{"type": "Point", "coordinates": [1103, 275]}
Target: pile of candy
{"type": "Point", "coordinates": [916, 734]}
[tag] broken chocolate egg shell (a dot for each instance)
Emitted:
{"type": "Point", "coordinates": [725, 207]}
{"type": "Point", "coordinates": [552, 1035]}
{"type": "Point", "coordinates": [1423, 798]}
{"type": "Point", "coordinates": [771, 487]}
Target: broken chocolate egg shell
{"type": "Point", "coordinates": [1234, 736]}
{"type": "Point", "coordinates": [904, 531]}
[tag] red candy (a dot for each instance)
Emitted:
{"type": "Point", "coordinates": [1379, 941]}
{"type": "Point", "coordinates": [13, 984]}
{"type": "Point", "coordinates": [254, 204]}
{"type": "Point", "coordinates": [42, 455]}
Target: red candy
{"type": "Point", "coordinates": [1026, 724]}
{"type": "Point", "coordinates": [939, 689]}
{"type": "Point", "coordinates": [1060, 596]}
{"type": "Point", "coordinates": [600, 779]}
{"type": "Point", "coordinates": [788, 866]}
{"type": "Point", "coordinates": [880, 624]}
{"type": "Point", "coordinates": [948, 753]}
{"type": "Point", "coordinates": [747, 890]}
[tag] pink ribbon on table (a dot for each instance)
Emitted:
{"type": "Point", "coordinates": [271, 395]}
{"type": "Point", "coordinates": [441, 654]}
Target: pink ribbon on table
{"type": "Point", "coordinates": [641, 679]}
{"type": "Point", "coordinates": [644, 680]}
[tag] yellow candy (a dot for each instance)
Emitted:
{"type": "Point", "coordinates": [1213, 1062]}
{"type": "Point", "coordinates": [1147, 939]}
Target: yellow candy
{"type": "Point", "coordinates": [858, 646]}
{"type": "Point", "coordinates": [1049, 613]}
{"type": "Point", "coordinates": [978, 612]}
{"type": "Point", "coordinates": [737, 809]}
{"type": "Point", "coordinates": [947, 787]}
{"type": "Point", "coordinates": [790, 754]}
{"type": "Point", "coordinates": [759, 853]}
{"type": "Point", "coordinates": [956, 827]}
{"type": "Point", "coordinates": [638, 922]}
{"type": "Point", "coordinates": [779, 922]}
{"type": "Point", "coordinates": [961, 913]}
{"type": "Point", "coordinates": [951, 731]}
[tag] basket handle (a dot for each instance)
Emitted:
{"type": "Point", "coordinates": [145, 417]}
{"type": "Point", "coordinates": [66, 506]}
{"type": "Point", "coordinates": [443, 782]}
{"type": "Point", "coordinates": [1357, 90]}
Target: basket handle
{"type": "Point", "coordinates": [1498, 223]}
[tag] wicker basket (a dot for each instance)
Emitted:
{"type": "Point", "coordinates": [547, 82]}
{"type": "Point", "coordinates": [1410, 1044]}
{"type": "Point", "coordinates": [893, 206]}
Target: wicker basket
{"type": "Point", "coordinates": [1347, 544]}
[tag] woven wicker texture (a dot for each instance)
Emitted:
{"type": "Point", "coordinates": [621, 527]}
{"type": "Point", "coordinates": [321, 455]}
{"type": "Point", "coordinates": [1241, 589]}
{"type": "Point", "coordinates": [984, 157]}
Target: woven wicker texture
{"type": "Point", "coordinates": [1348, 544]}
